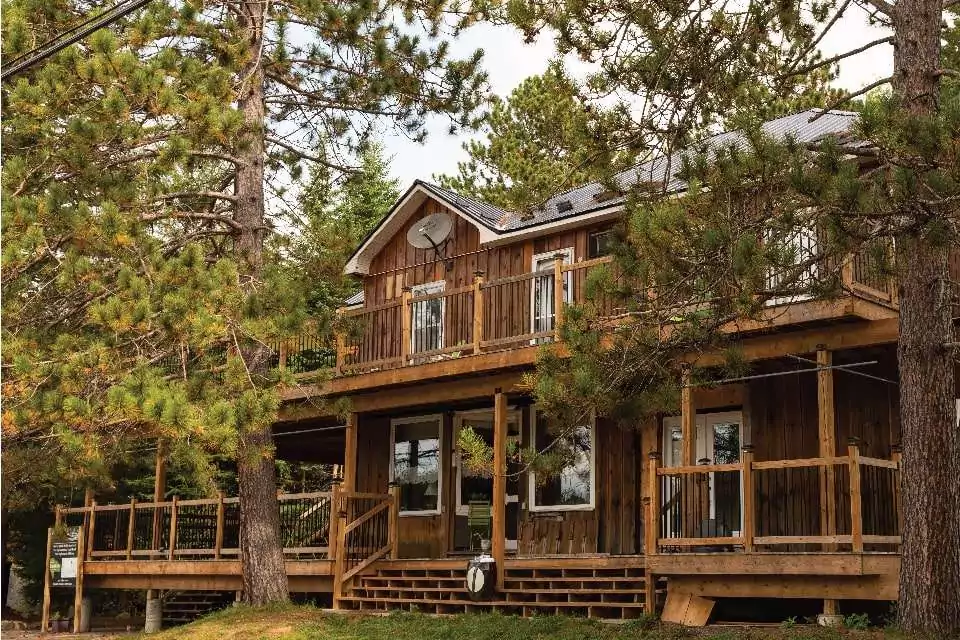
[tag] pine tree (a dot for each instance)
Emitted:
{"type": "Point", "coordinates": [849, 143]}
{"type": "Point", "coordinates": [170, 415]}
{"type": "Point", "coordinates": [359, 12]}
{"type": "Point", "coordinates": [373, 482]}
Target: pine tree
{"type": "Point", "coordinates": [687, 71]}
{"type": "Point", "coordinates": [138, 166]}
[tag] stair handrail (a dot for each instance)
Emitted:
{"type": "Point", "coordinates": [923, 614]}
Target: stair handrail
{"type": "Point", "coordinates": [376, 537]}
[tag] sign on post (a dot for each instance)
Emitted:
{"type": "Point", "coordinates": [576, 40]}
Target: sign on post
{"type": "Point", "coordinates": [64, 553]}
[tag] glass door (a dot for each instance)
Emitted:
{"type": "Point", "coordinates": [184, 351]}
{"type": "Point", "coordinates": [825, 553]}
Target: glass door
{"type": "Point", "coordinates": [719, 438]}
{"type": "Point", "coordinates": [542, 294]}
{"type": "Point", "coordinates": [475, 489]}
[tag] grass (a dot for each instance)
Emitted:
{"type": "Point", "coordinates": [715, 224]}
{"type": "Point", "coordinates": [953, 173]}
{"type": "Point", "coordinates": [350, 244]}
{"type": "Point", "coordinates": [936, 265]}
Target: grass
{"type": "Point", "coordinates": [291, 622]}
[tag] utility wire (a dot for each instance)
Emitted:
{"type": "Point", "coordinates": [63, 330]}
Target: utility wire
{"type": "Point", "coordinates": [67, 38]}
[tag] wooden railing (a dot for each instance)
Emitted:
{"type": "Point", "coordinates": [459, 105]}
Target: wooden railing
{"type": "Point", "coordinates": [847, 502]}
{"type": "Point", "coordinates": [488, 315]}
{"type": "Point", "coordinates": [197, 529]}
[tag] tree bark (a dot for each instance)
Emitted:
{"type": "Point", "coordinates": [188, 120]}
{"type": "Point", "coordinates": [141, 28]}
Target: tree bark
{"type": "Point", "coordinates": [930, 569]}
{"type": "Point", "coordinates": [261, 552]}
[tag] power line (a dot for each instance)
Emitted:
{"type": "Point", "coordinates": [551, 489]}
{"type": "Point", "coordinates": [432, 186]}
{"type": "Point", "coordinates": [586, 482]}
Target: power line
{"type": "Point", "coordinates": [67, 38]}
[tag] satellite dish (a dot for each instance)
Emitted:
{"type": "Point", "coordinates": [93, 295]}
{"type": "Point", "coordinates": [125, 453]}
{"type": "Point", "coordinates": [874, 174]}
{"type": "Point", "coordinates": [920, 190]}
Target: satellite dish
{"type": "Point", "coordinates": [430, 231]}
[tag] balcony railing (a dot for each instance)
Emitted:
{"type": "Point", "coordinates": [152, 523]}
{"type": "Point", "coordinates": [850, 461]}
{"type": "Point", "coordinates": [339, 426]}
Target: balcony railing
{"type": "Point", "coordinates": [849, 503]}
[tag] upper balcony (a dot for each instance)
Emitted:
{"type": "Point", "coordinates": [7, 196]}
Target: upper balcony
{"type": "Point", "coordinates": [431, 332]}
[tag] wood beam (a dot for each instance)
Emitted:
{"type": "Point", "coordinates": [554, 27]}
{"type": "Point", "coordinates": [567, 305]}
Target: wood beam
{"type": "Point", "coordinates": [826, 423]}
{"type": "Point", "coordinates": [350, 453]}
{"type": "Point", "coordinates": [498, 533]}
{"type": "Point", "coordinates": [877, 587]}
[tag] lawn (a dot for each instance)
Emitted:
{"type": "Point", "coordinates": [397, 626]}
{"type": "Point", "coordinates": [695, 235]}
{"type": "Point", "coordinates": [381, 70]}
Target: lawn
{"type": "Point", "coordinates": [305, 623]}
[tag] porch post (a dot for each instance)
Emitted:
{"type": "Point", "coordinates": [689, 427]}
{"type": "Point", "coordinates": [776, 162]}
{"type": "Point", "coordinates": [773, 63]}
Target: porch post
{"type": "Point", "coordinates": [498, 531]}
{"type": "Point", "coordinates": [688, 482]}
{"type": "Point", "coordinates": [828, 447]}
{"type": "Point", "coordinates": [826, 423]}
{"type": "Point", "coordinates": [350, 454]}
{"type": "Point", "coordinates": [477, 310]}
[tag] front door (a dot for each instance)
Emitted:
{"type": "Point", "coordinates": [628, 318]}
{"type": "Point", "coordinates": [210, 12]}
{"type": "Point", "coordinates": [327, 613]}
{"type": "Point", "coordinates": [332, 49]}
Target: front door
{"type": "Point", "coordinates": [475, 489]}
{"type": "Point", "coordinates": [719, 438]}
{"type": "Point", "coordinates": [543, 292]}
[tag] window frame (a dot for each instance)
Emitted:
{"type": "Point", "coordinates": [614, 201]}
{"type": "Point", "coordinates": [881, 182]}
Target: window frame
{"type": "Point", "coordinates": [569, 257]}
{"type": "Point", "coordinates": [462, 508]}
{"type": "Point", "coordinates": [438, 418]}
{"type": "Point", "coordinates": [427, 288]}
{"type": "Point", "coordinates": [598, 232]}
{"type": "Point", "coordinates": [532, 505]}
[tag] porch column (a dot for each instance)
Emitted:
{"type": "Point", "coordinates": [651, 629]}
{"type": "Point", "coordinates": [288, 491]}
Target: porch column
{"type": "Point", "coordinates": [826, 423]}
{"type": "Point", "coordinates": [498, 531]}
{"type": "Point", "coordinates": [688, 483]}
{"type": "Point", "coordinates": [159, 488]}
{"type": "Point", "coordinates": [350, 454]}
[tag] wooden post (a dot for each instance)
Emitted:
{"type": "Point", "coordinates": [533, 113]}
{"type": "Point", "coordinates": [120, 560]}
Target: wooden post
{"type": "Point", "coordinates": [341, 352]}
{"type": "Point", "coordinates": [350, 453]}
{"type": "Point", "coordinates": [78, 593]}
{"type": "Point", "coordinates": [827, 439]}
{"type": "Point", "coordinates": [45, 609]}
{"type": "Point", "coordinates": [653, 530]}
{"type": "Point", "coordinates": [856, 506]}
{"type": "Point", "coordinates": [846, 272]}
{"type": "Point", "coordinates": [746, 460]}
{"type": "Point", "coordinates": [159, 488]}
{"type": "Point", "coordinates": [557, 294]}
{"type": "Point", "coordinates": [393, 526]}
{"type": "Point", "coordinates": [131, 527]}
{"type": "Point", "coordinates": [334, 521]}
{"type": "Point", "coordinates": [282, 356]}
{"type": "Point", "coordinates": [405, 325]}
{"type": "Point", "coordinates": [221, 514]}
{"type": "Point", "coordinates": [173, 528]}
{"type": "Point", "coordinates": [338, 568]}
{"type": "Point", "coordinates": [477, 310]}
{"type": "Point", "coordinates": [896, 454]}
{"type": "Point", "coordinates": [92, 527]}
{"type": "Point", "coordinates": [690, 509]}
{"type": "Point", "coordinates": [498, 531]}
{"type": "Point", "coordinates": [57, 515]}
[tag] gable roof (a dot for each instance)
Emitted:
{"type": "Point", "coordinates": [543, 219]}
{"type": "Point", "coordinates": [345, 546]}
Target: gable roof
{"type": "Point", "coordinates": [587, 202]}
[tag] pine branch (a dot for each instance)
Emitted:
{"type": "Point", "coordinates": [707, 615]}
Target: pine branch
{"type": "Point", "coordinates": [882, 6]}
{"type": "Point", "coordinates": [823, 63]}
{"type": "Point", "coordinates": [306, 156]}
{"type": "Point", "coordinates": [192, 215]}
{"type": "Point", "coordinates": [196, 194]}
{"type": "Point", "coordinates": [848, 97]}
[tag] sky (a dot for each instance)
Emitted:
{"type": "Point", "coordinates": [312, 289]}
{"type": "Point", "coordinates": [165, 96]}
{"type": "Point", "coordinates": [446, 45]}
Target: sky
{"type": "Point", "coordinates": [508, 60]}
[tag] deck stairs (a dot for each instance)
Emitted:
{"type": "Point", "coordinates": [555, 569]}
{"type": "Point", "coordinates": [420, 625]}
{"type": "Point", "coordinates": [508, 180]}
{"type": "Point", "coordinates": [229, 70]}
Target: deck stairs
{"type": "Point", "coordinates": [608, 593]}
{"type": "Point", "coordinates": [181, 607]}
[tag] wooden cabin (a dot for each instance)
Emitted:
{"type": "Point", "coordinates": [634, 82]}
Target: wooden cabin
{"type": "Point", "coordinates": [782, 485]}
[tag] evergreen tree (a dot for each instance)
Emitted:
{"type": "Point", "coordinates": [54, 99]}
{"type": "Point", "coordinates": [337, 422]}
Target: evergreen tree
{"type": "Point", "coordinates": [541, 140]}
{"type": "Point", "coordinates": [687, 71]}
{"type": "Point", "coordinates": [138, 302]}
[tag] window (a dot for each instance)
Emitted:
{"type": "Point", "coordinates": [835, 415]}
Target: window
{"type": "Point", "coordinates": [416, 463]}
{"type": "Point", "coordinates": [427, 318]}
{"type": "Point", "coordinates": [571, 487]}
{"type": "Point", "coordinates": [542, 293]}
{"type": "Point", "coordinates": [598, 243]}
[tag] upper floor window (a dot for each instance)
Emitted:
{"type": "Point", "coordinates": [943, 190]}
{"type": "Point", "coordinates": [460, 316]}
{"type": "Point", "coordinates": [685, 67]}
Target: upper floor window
{"type": "Point", "coordinates": [416, 463]}
{"type": "Point", "coordinates": [572, 485]}
{"type": "Point", "coordinates": [800, 248]}
{"type": "Point", "coordinates": [427, 318]}
{"type": "Point", "coordinates": [599, 243]}
{"type": "Point", "coordinates": [543, 292]}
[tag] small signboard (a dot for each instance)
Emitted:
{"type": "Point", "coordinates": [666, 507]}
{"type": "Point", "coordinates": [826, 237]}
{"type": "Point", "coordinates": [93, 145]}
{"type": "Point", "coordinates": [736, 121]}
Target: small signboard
{"type": "Point", "coordinates": [63, 559]}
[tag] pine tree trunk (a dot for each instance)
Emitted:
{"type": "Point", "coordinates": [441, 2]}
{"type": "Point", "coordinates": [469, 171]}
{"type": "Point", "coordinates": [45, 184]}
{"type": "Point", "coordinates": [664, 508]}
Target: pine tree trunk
{"type": "Point", "coordinates": [930, 569]}
{"type": "Point", "coordinates": [261, 552]}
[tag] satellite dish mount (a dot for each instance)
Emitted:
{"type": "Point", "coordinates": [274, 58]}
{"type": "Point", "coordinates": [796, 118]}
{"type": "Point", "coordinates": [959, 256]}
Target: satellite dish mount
{"type": "Point", "coordinates": [432, 231]}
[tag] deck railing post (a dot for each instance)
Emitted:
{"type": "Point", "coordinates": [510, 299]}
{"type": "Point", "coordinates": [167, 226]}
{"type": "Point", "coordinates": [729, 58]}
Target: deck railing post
{"type": "Point", "coordinates": [282, 356]}
{"type": "Point", "coordinates": [653, 530]}
{"type": "Point", "coordinates": [91, 529]}
{"type": "Point", "coordinates": [57, 515]}
{"type": "Point", "coordinates": [477, 310]}
{"type": "Point", "coordinates": [84, 541]}
{"type": "Point", "coordinates": [218, 537]}
{"type": "Point", "coordinates": [405, 325]}
{"type": "Point", "coordinates": [746, 473]}
{"type": "Point", "coordinates": [557, 294]}
{"type": "Point", "coordinates": [896, 455]}
{"type": "Point", "coordinates": [338, 568]}
{"type": "Point", "coordinates": [173, 528]}
{"type": "Point", "coordinates": [846, 271]}
{"type": "Point", "coordinates": [131, 527]}
{"type": "Point", "coordinates": [393, 527]}
{"type": "Point", "coordinates": [856, 507]}
{"type": "Point", "coordinates": [334, 521]}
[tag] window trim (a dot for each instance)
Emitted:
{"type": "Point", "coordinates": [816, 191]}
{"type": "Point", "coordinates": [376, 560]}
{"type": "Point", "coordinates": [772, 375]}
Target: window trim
{"type": "Point", "coordinates": [606, 231]}
{"type": "Point", "coordinates": [569, 256]}
{"type": "Point", "coordinates": [532, 506]}
{"type": "Point", "coordinates": [427, 288]}
{"type": "Point", "coordinates": [438, 418]}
